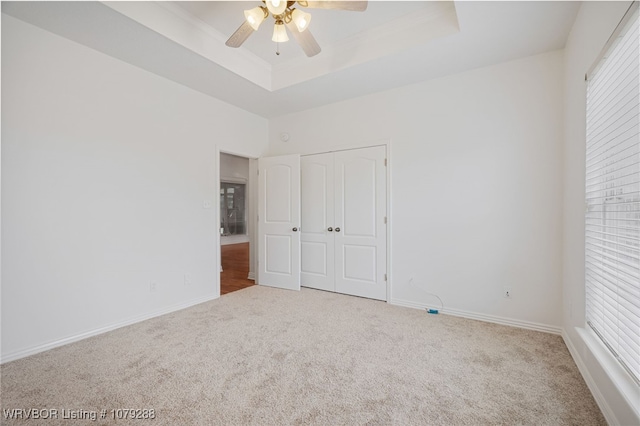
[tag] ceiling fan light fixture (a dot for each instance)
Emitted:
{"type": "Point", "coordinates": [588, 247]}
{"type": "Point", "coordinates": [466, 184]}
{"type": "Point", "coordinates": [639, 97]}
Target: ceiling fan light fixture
{"type": "Point", "coordinates": [255, 16]}
{"type": "Point", "coordinates": [279, 33]}
{"type": "Point", "coordinates": [276, 7]}
{"type": "Point", "coordinates": [285, 14]}
{"type": "Point", "coordinates": [301, 19]}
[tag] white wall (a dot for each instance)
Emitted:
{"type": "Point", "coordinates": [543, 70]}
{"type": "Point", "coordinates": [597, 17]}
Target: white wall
{"type": "Point", "coordinates": [105, 168]}
{"type": "Point", "coordinates": [234, 167]}
{"type": "Point", "coordinates": [476, 166]}
{"type": "Point", "coordinates": [594, 24]}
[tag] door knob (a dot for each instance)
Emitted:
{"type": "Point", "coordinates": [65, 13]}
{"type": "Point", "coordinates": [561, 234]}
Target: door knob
{"type": "Point", "coordinates": [337, 229]}
{"type": "Point", "coordinates": [330, 229]}
{"type": "Point", "coordinates": [295, 229]}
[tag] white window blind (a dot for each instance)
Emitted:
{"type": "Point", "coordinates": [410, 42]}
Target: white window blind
{"type": "Point", "coordinates": [612, 231]}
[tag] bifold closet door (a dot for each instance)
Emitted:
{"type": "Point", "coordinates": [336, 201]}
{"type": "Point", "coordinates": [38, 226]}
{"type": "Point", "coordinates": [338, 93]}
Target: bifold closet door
{"type": "Point", "coordinates": [343, 240]}
{"type": "Point", "coordinates": [316, 239]}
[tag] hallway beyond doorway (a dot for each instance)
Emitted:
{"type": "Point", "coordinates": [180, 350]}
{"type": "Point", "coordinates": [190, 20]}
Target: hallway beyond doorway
{"type": "Point", "coordinates": [235, 268]}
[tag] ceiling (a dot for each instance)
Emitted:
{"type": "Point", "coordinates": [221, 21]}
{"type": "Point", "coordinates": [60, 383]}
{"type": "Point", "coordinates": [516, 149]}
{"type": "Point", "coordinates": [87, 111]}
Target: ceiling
{"type": "Point", "coordinates": [391, 44]}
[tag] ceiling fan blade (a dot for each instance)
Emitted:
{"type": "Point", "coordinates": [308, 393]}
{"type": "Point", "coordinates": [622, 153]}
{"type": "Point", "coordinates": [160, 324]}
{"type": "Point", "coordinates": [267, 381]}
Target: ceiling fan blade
{"type": "Point", "coordinates": [240, 36]}
{"type": "Point", "coordinates": [305, 40]}
{"type": "Point", "coordinates": [355, 6]}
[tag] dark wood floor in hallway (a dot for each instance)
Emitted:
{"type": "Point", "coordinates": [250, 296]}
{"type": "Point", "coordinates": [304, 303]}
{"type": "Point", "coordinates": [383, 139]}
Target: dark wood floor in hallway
{"type": "Point", "coordinates": [235, 268]}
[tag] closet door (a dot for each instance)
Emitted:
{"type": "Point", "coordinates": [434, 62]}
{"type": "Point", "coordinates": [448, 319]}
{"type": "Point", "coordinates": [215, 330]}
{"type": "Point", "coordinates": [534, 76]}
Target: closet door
{"type": "Point", "coordinates": [316, 239]}
{"type": "Point", "coordinates": [359, 227]}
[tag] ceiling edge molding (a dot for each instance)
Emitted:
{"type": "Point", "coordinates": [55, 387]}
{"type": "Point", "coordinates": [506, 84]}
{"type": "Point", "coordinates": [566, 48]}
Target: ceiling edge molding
{"type": "Point", "coordinates": [178, 25]}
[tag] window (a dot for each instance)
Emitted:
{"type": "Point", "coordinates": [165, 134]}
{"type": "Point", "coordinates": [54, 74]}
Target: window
{"type": "Point", "coordinates": [612, 220]}
{"type": "Point", "coordinates": [232, 208]}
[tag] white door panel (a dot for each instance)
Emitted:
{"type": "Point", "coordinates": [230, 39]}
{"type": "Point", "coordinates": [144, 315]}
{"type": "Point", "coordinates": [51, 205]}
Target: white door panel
{"type": "Point", "coordinates": [313, 258]}
{"type": "Point", "coordinates": [279, 220]}
{"type": "Point", "coordinates": [277, 184]}
{"type": "Point", "coordinates": [316, 174]}
{"type": "Point", "coordinates": [360, 263]}
{"type": "Point", "coordinates": [360, 243]}
{"type": "Point", "coordinates": [317, 245]}
{"type": "Point", "coordinates": [278, 253]}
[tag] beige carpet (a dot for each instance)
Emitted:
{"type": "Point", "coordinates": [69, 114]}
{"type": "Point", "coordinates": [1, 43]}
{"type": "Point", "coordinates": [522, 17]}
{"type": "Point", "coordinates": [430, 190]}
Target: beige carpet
{"type": "Point", "coordinates": [265, 356]}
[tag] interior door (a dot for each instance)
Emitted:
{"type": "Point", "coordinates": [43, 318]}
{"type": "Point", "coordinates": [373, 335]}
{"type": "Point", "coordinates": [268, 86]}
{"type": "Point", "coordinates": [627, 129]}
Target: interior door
{"type": "Point", "coordinates": [316, 239]}
{"type": "Point", "coordinates": [360, 230]}
{"type": "Point", "coordinates": [279, 221]}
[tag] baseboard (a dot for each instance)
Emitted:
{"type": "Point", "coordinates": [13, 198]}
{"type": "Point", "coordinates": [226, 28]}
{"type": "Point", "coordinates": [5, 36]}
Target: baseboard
{"type": "Point", "coordinates": [483, 317]}
{"type": "Point", "coordinates": [65, 341]}
{"type": "Point", "coordinates": [233, 239]}
{"type": "Point", "coordinates": [251, 276]}
{"type": "Point", "coordinates": [591, 384]}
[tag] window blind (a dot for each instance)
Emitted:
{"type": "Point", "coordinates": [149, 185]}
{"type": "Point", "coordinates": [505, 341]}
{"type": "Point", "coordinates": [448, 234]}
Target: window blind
{"type": "Point", "coordinates": [612, 222]}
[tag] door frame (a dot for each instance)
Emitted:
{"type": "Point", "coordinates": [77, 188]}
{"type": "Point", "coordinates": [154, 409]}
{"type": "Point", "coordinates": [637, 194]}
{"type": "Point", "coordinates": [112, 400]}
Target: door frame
{"type": "Point", "coordinates": [252, 185]}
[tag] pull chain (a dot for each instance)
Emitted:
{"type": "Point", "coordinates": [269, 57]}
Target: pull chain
{"type": "Point", "coordinates": [278, 48]}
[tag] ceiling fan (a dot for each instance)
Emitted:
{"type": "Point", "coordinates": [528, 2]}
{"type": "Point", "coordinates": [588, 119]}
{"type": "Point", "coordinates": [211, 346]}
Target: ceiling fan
{"type": "Point", "coordinates": [285, 14]}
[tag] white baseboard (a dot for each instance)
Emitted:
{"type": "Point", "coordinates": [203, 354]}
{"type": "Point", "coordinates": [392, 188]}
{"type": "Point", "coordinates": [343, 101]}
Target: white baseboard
{"type": "Point", "coordinates": [483, 317]}
{"type": "Point", "coordinates": [12, 356]}
{"type": "Point", "coordinates": [591, 384]}
{"type": "Point", "coordinates": [233, 239]}
{"type": "Point", "coordinates": [251, 276]}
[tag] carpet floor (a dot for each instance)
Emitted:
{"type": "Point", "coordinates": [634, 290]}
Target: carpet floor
{"type": "Point", "coordinates": [266, 356]}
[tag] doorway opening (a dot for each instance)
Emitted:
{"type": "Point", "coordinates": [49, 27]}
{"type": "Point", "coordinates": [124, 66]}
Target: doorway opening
{"type": "Point", "coordinates": [236, 230]}
{"type": "Point", "coordinates": [235, 268]}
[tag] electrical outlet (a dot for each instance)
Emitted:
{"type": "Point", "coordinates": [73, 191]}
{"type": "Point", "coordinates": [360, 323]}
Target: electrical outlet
{"type": "Point", "coordinates": [507, 292]}
{"type": "Point", "coordinates": [153, 287]}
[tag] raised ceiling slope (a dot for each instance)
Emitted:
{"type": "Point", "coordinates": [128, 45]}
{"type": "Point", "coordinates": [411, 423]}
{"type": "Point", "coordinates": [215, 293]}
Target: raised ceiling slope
{"type": "Point", "coordinates": [389, 45]}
